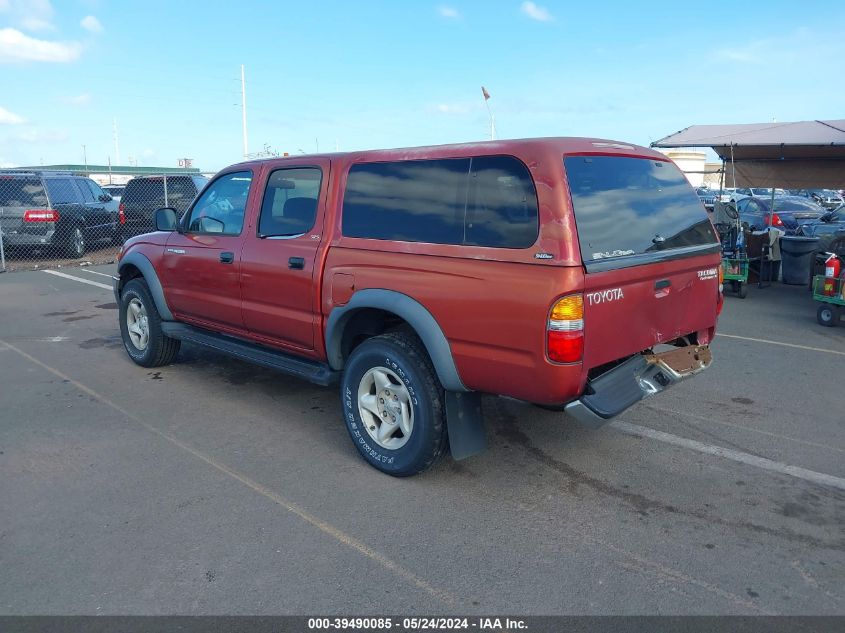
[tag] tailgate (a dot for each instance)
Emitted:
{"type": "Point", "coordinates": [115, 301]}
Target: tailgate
{"type": "Point", "coordinates": [650, 254]}
{"type": "Point", "coordinates": [632, 309]}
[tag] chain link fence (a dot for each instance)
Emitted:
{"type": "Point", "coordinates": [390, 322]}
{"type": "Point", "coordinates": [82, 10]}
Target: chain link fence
{"type": "Point", "coordinates": [52, 218]}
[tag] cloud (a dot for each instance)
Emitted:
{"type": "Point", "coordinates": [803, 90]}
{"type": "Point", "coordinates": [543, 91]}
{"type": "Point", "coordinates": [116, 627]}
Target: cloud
{"type": "Point", "coordinates": [32, 15]}
{"type": "Point", "coordinates": [17, 47]}
{"type": "Point", "coordinates": [39, 135]}
{"type": "Point", "coordinates": [452, 108]}
{"type": "Point", "coordinates": [449, 12]}
{"type": "Point", "coordinates": [92, 24]}
{"type": "Point", "coordinates": [10, 118]}
{"type": "Point", "coordinates": [541, 14]}
{"type": "Point", "coordinates": [754, 52]}
{"type": "Point", "coordinates": [79, 100]}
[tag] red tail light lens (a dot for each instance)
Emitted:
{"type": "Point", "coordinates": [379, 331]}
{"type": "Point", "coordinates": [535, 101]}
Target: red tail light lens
{"type": "Point", "coordinates": [121, 213]}
{"type": "Point", "coordinates": [776, 221]}
{"type": "Point", "coordinates": [40, 215]}
{"type": "Point", "coordinates": [566, 347]}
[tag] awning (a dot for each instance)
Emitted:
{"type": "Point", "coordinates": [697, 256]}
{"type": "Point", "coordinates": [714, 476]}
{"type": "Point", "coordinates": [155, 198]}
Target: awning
{"type": "Point", "coordinates": [803, 154]}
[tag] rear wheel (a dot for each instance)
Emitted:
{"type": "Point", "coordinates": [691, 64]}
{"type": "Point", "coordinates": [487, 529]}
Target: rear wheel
{"type": "Point", "coordinates": [140, 327]}
{"type": "Point", "coordinates": [826, 315]}
{"type": "Point", "coordinates": [75, 246]}
{"type": "Point", "coordinates": [393, 405]}
{"type": "Point", "coordinates": [741, 289]}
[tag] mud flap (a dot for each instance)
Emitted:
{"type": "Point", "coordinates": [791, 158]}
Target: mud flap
{"type": "Point", "coordinates": [465, 424]}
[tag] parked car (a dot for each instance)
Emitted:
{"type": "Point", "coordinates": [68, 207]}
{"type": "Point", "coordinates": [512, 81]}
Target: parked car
{"type": "Point", "coordinates": [421, 278]}
{"type": "Point", "coordinates": [144, 195]}
{"type": "Point", "coordinates": [790, 212]}
{"type": "Point", "coordinates": [827, 198]}
{"type": "Point", "coordinates": [707, 197]}
{"type": "Point", "coordinates": [115, 191]}
{"type": "Point", "coordinates": [756, 192]}
{"type": "Point", "coordinates": [830, 230]}
{"type": "Point", "coordinates": [58, 213]}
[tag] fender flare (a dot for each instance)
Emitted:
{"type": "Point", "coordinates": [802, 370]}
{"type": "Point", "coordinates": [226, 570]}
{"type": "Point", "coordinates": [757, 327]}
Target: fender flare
{"type": "Point", "coordinates": [411, 311]}
{"type": "Point", "coordinates": [143, 264]}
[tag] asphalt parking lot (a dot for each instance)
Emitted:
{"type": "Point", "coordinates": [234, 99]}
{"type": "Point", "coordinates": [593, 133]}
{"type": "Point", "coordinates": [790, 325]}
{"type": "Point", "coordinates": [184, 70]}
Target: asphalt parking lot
{"type": "Point", "coordinates": [215, 487]}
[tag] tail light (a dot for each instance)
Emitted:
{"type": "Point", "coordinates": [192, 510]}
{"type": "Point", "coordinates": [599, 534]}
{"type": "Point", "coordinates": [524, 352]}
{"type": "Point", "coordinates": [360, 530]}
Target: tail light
{"type": "Point", "coordinates": [720, 298]}
{"type": "Point", "coordinates": [776, 221]}
{"type": "Point", "coordinates": [40, 215]}
{"type": "Point", "coordinates": [121, 213]}
{"type": "Point", "coordinates": [565, 330]}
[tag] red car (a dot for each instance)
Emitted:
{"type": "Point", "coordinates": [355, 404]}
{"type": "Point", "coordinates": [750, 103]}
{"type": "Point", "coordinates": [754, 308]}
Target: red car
{"type": "Point", "coordinates": [548, 270]}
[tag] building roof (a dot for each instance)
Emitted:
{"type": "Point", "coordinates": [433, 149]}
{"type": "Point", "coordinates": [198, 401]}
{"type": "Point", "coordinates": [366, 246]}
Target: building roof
{"type": "Point", "coordinates": [799, 154]}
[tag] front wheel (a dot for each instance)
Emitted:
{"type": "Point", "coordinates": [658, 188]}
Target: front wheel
{"type": "Point", "coordinates": [393, 405]}
{"type": "Point", "coordinates": [140, 327]}
{"type": "Point", "coordinates": [826, 315]}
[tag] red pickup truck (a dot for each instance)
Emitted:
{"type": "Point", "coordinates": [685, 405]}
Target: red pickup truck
{"type": "Point", "coordinates": [574, 273]}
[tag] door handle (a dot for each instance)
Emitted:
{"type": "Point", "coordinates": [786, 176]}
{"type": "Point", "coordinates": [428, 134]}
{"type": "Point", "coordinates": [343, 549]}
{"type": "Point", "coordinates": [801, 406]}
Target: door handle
{"type": "Point", "coordinates": [227, 257]}
{"type": "Point", "coordinates": [663, 283]}
{"type": "Point", "coordinates": [296, 263]}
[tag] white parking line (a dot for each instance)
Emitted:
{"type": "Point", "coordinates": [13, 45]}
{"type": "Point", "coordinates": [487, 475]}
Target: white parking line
{"type": "Point", "coordinates": [763, 340]}
{"type": "Point", "coordinates": [82, 281]}
{"type": "Point", "coordinates": [94, 272]}
{"type": "Point", "coordinates": [727, 453]}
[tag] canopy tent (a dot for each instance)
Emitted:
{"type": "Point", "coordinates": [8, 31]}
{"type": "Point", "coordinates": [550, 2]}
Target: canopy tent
{"type": "Point", "coordinates": [800, 155]}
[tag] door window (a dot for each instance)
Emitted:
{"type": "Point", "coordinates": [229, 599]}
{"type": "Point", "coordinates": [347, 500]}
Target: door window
{"type": "Point", "coordinates": [222, 206]}
{"type": "Point", "coordinates": [290, 202]}
{"type": "Point", "coordinates": [62, 191]}
{"type": "Point", "coordinates": [87, 193]}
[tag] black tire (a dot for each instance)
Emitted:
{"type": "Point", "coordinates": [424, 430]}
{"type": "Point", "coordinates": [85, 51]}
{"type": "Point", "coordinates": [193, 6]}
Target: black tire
{"type": "Point", "coordinates": [827, 315]}
{"type": "Point", "coordinates": [405, 357]}
{"type": "Point", "coordinates": [160, 349]}
{"type": "Point", "coordinates": [75, 245]}
{"type": "Point", "coordinates": [742, 289]}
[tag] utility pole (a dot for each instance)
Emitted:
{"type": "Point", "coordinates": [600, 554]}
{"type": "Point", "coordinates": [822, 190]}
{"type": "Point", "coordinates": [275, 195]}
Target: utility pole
{"type": "Point", "coordinates": [85, 158]}
{"type": "Point", "coordinates": [243, 108]}
{"type": "Point", "coordinates": [116, 144]}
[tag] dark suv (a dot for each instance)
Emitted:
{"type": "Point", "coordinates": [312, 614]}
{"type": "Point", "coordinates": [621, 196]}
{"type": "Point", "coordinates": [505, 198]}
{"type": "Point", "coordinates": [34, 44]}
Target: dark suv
{"type": "Point", "coordinates": [143, 196]}
{"type": "Point", "coordinates": [58, 213]}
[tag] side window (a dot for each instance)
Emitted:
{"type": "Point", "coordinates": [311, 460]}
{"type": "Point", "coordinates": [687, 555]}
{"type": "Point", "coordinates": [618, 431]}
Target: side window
{"type": "Point", "coordinates": [95, 189]}
{"type": "Point", "coordinates": [501, 204]}
{"type": "Point", "coordinates": [290, 202]}
{"type": "Point", "coordinates": [482, 201]}
{"type": "Point", "coordinates": [222, 207]}
{"type": "Point", "coordinates": [84, 191]}
{"type": "Point", "coordinates": [411, 201]}
{"type": "Point", "coordinates": [62, 191]}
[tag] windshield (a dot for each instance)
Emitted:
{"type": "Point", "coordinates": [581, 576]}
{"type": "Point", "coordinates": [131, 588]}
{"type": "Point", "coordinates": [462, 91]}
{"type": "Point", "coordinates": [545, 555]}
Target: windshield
{"type": "Point", "coordinates": [629, 206]}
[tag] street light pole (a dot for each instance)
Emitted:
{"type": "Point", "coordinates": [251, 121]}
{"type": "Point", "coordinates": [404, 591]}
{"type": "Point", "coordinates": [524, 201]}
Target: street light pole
{"type": "Point", "coordinates": [85, 158]}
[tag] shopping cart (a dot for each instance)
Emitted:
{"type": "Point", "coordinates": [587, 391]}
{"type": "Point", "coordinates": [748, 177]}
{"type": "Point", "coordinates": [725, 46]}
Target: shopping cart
{"type": "Point", "coordinates": [831, 294]}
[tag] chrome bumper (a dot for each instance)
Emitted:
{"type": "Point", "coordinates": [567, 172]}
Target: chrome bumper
{"type": "Point", "coordinates": [638, 377]}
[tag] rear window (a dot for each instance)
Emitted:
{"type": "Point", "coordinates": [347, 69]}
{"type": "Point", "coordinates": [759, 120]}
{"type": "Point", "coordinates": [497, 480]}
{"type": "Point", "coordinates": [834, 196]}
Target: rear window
{"type": "Point", "coordinates": [632, 206]}
{"type": "Point", "coordinates": [797, 205]}
{"type": "Point", "coordinates": [481, 201]}
{"type": "Point", "coordinates": [22, 192]}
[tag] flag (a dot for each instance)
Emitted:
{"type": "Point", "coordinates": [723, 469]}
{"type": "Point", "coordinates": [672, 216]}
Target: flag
{"type": "Point", "coordinates": [485, 93]}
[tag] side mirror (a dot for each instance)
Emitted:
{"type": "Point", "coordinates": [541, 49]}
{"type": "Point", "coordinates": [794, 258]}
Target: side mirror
{"type": "Point", "coordinates": [165, 219]}
{"type": "Point", "coordinates": [105, 198]}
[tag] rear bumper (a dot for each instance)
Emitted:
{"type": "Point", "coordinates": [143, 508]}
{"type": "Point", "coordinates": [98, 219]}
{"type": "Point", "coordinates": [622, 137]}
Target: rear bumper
{"type": "Point", "coordinates": [638, 377]}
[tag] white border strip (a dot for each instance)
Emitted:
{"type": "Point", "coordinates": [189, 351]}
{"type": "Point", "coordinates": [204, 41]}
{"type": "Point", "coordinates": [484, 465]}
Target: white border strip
{"type": "Point", "coordinates": [82, 281]}
{"type": "Point", "coordinates": [94, 272]}
{"type": "Point", "coordinates": [763, 340]}
{"type": "Point", "coordinates": [727, 453]}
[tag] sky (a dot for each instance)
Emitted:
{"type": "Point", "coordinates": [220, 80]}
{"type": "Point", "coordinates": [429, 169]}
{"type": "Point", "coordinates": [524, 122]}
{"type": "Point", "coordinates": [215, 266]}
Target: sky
{"type": "Point", "coordinates": [363, 74]}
